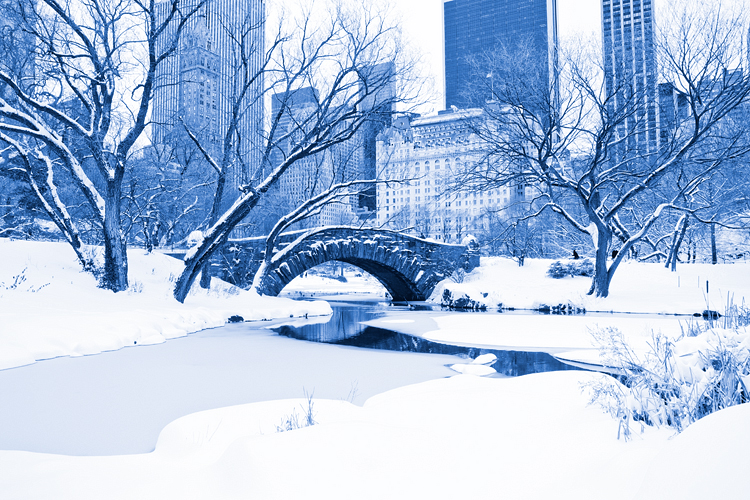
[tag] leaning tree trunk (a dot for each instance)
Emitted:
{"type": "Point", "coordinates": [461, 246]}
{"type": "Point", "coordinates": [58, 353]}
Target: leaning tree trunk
{"type": "Point", "coordinates": [115, 276]}
{"type": "Point", "coordinates": [215, 212]}
{"type": "Point", "coordinates": [676, 246]}
{"type": "Point", "coordinates": [217, 235]}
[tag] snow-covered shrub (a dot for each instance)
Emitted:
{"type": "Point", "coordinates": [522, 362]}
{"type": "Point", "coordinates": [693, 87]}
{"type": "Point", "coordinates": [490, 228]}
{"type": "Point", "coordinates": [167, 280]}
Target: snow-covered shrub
{"type": "Point", "coordinates": [674, 383]}
{"type": "Point", "coordinates": [581, 267]}
{"type": "Point", "coordinates": [459, 300]}
{"type": "Point", "coordinates": [563, 268]}
{"type": "Point", "coordinates": [557, 270]}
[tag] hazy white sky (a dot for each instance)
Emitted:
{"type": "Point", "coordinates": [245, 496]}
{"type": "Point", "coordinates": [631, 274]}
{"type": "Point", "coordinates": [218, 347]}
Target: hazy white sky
{"type": "Point", "coordinates": [423, 26]}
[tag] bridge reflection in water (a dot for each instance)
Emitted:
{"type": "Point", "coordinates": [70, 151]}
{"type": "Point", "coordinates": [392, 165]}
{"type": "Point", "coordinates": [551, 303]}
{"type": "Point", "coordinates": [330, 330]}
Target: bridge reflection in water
{"type": "Point", "coordinates": [344, 328]}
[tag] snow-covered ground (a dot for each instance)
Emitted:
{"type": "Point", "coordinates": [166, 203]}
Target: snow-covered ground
{"type": "Point", "coordinates": [118, 402]}
{"type": "Point", "coordinates": [459, 437]}
{"type": "Point", "coordinates": [636, 287]}
{"type": "Point", "coordinates": [462, 437]}
{"type": "Point", "coordinates": [49, 308]}
{"type": "Point", "coordinates": [359, 284]}
{"type": "Point", "coordinates": [652, 292]}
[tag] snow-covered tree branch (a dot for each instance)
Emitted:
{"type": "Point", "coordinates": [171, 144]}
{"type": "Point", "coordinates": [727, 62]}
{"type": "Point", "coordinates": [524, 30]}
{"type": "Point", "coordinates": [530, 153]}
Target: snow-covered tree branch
{"type": "Point", "coordinates": [87, 102]}
{"type": "Point", "coordinates": [580, 135]}
{"type": "Point", "coordinates": [358, 71]}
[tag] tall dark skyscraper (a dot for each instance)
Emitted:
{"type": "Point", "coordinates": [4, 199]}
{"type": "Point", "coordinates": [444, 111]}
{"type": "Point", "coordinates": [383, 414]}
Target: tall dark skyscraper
{"type": "Point", "coordinates": [199, 82]}
{"type": "Point", "coordinates": [630, 69]}
{"type": "Point", "coordinates": [472, 26]}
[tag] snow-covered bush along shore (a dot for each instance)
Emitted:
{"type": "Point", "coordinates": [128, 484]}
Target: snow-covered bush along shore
{"type": "Point", "coordinates": [675, 383]}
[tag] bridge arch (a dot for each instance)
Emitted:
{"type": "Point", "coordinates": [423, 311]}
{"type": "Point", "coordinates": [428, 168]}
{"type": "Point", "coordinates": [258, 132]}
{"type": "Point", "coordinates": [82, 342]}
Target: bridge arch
{"type": "Point", "coordinates": [408, 267]}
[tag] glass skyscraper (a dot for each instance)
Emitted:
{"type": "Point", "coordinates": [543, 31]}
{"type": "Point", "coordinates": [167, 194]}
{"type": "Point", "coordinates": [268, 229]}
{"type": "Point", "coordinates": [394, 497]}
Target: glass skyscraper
{"type": "Point", "coordinates": [630, 70]}
{"type": "Point", "coordinates": [473, 26]}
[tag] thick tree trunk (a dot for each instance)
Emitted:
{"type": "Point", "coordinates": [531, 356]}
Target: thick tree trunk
{"type": "Point", "coordinates": [600, 282]}
{"type": "Point", "coordinates": [115, 275]}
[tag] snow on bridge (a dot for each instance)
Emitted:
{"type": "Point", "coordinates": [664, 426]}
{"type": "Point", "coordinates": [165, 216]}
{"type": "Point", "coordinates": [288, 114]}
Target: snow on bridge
{"type": "Point", "coordinates": [408, 267]}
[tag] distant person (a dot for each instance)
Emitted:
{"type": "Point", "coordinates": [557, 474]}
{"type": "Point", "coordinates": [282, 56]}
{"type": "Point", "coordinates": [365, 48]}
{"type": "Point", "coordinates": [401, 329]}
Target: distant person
{"type": "Point", "coordinates": [614, 254]}
{"type": "Point", "coordinates": [575, 255]}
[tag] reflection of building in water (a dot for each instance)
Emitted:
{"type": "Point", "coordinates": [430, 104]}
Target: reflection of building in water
{"type": "Point", "coordinates": [431, 152]}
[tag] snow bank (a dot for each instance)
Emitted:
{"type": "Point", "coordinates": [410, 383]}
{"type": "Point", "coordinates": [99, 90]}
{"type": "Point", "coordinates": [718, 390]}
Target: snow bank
{"type": "Point", "coordinates": [461, 437]}
{"type": "Point", "coordinates": [708, 460]}
{"type": "Point", "coordinates": [361, 284]}
{"type": "Point", "coordinates": [531, 437]}
{"type": "Point", "coordinates": [50, 308]}
{"type": "Point", "coordinates": [563, 336]}
{"type": "Point", "coordinates": [636, 287]}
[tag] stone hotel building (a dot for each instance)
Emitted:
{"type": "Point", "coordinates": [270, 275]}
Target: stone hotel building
{"type": "Point", "coordinates": [424, 156]}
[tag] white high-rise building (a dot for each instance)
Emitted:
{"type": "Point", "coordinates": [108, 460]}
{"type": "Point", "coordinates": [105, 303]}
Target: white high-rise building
{"type": "Point", "coordinates": [429, 154]}
{"type": "Point", "coordinates": [201, 82]}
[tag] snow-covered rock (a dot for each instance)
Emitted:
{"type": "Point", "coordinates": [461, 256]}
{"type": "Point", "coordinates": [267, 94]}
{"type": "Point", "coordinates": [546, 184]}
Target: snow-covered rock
{"type": "Point", "coordinates": [473, 369]}
{"type": "Point", "coordinates": [484, 359]}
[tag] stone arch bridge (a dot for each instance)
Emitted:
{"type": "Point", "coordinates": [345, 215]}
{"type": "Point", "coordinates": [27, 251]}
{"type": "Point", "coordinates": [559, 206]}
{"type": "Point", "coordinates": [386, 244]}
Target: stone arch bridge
{"type": "Point", "coordinates": [408, 267]}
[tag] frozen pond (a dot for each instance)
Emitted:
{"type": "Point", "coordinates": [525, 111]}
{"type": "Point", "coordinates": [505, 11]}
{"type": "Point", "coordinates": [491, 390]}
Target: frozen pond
{"type": "Point", "coordinates": [118, 402]}
{"type": "Point", "coordinates": [349, 326]}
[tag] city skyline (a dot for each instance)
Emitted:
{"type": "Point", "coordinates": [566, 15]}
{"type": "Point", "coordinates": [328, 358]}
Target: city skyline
{"type": "Point", "coordinates": [423, 27]}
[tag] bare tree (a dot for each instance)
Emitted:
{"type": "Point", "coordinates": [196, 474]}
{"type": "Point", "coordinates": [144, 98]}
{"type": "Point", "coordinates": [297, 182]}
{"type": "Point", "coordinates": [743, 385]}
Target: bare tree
{"type": "Point", "coordinates": [581, 136]}
{"type": "Point", "coordinates": [163, 201]}
{"type": "Point", "coordinates": [81, 114]}
{"type": "Point", "coordinates": [341, 60]}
